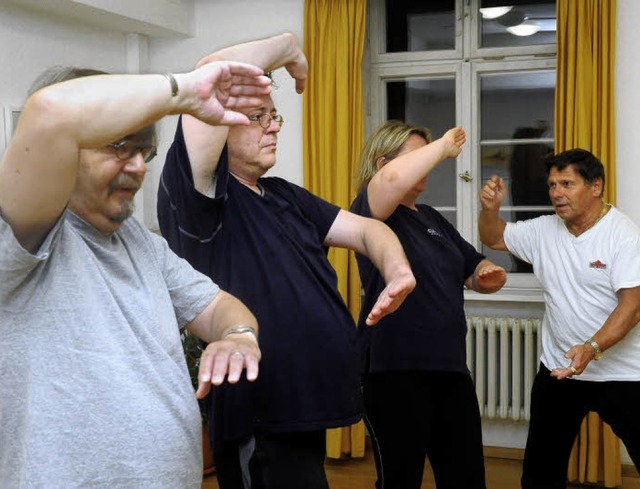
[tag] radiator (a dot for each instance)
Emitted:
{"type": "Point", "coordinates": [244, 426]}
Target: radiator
{"type": "Point", "coordinates": [503, 355]}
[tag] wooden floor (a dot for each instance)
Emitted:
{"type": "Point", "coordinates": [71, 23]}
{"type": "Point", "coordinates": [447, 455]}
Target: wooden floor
{"type": "Point", "coordinates": [502, 473]}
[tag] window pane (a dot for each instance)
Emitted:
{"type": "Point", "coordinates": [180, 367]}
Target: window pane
{"type": "Point", "coordinates": [522, 23]}
{"type": "Point", "coordinates": [449, 215]}
{"type": "Point", "coordinates": [431, 103]}
{"type": "Point", "coordinates": [416, 25]}
{"type": "Point", "coordinates": [510, 101]}
{"type": "Point", "coordinates": [509, 262]}
{"type": "Point", "coordinates": [521, 166]}
{"type": "Point", "coordinates": [516, 136]}
{"type": "Point", "coordinates": [517, 133]}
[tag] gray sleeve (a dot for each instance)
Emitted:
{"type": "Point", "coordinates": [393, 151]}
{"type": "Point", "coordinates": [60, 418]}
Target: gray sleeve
{"type": "Point", "coordinates": [191, 291]}
{"type": "Point", "coordinates": [16, 263]}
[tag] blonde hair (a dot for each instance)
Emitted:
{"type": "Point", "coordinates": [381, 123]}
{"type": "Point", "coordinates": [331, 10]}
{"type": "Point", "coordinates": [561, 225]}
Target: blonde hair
{"type": "Point", "coordinates": [386, 141]}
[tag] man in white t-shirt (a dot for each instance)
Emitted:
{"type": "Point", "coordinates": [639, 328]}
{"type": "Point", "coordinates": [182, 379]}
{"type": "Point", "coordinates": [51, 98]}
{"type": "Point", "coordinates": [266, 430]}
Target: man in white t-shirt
{"type": "Point", "coordinates": [587, 257]}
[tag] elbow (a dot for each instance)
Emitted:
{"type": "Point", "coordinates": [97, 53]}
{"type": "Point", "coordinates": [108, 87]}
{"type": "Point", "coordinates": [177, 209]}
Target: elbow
{"type": "Point", "coordinates": [489, 241]}
{"type": "Point", "coordinates": [44, 111]}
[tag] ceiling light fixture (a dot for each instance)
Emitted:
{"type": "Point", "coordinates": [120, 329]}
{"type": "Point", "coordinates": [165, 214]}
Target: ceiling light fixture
{"type": "Point", "coordinates": [494, 12]}
{"type": "Point", "coordinates": [527, 28]}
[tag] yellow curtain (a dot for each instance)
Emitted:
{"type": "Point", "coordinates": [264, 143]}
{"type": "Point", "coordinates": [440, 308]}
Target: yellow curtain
{"type": "Point", "coordinates": [584, 117]}
{"type": "Point", "coordinates": [333, 136]}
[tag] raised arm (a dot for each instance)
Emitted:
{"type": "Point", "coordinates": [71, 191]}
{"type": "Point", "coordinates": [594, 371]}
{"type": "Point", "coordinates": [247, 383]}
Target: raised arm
{"type": "Point", "coordinates": [39, 168]}
{"type": "Point", "coordinates": [376, 241]}
{"type": "Point", "coordinates": [490, 225]}
{"type": "Point", "coordinates": [205, 142]}
{"type": "Point", "coordinates": [395, 179]}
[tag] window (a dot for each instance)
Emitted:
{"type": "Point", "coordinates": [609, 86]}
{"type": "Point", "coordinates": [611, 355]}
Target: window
{"type": "Point", "coordinates": [441, 63]}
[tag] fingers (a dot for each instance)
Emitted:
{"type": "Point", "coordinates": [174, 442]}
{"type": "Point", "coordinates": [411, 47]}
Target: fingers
{"type": "Point", "coordinates": [492, 185]}
{"type": "Point", "coordinates": [243, 102]}
{"type": "Point", "coordinates": [565, 373]}
{"type": "Point", "coordinates": [454, 139]}
{"type": "Point", "coordinates": [249, 87]}
{"type": "Point", "coordinates": [391, 298]}
{"type": "Point", "coordinates": [492, 192]}
{"type": "Point", "coordinates": [575, 368]}
{"type": "Point", "coordinates": [228, 359]}
{"type": "Point", "coordinates": [493, 272]}
{"type": "Point", "coordinates": [561, 373]}
{"type": "Point", "coordinates": [299, 74]}
{"type": "Point", "coordinates": [299, 70]}
{"type": "Point", "coordinates": [492, 277]}
{"type": "Point", "coordinates": [233, 118]}
{"type": "Point", "coordinates": [239, 68]}
{"type": "Point", "coordinates": [258, 81]}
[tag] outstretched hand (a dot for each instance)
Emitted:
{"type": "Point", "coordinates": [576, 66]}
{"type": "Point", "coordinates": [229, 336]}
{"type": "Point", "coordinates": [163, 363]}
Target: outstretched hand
{"type": "Point", "coordinates": [227, 357]}
{"type": "Point", "coordinates": [491, 278]}
{"type": "Point", "coordinates": [222, 87]}
{"type": "Point", "coordinates": [579, 356]}
{"type": "Point", "coordinates": [391, 297]}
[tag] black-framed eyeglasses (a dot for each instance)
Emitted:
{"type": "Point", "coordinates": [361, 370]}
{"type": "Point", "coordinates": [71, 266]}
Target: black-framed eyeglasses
{"type": "Point", "coordinates": [126, 149]}
{"type": "Point", "coordinates": [265, 119]}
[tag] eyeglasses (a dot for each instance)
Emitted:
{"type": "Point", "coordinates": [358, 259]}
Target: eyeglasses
{"type": "Point", "coordinates": [265, 119]}
{"type": "Point", "coordinates": [125, 149]}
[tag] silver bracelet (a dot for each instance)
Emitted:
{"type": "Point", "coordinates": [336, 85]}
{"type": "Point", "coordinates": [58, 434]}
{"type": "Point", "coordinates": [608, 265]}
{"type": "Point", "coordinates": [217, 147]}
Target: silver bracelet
{"type": "Point", "coordinates": [173, 83]}
{"type": "Point", "coordinates": [240, 330]}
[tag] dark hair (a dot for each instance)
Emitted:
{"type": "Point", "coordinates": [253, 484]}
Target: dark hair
{"type": "Point", "coordinates": [59, 74]}
{"type": "Point", "coordinates": [585, 163]}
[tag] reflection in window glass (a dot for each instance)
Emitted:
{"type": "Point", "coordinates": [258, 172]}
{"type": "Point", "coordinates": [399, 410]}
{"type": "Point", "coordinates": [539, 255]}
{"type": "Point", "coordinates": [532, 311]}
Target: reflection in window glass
{"type": "Point", "coordinates": [517, 23]}
{"type": "Point", "coordinates": [511, 263]}
{"type": "Point", "coordinates": [517, 135]}
{"type": "Point", "coordinates": [448, 215]}
{"type": "Point", "coordinates": [431, 103]}
{"type": "Point", "coordinates": [416, 25]}
{"type": "Point", "coordinates": [513, 100]}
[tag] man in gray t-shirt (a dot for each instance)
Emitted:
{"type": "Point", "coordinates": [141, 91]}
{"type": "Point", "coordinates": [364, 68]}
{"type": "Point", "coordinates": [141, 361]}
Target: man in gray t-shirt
{"type": "Point", "coordinates": [95, 389]}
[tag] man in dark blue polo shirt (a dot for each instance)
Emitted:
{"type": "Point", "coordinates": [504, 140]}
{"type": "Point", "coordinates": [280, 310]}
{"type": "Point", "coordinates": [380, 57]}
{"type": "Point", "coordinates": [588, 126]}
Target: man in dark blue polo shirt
{"type": "Point", "coordinates": [265, 240]}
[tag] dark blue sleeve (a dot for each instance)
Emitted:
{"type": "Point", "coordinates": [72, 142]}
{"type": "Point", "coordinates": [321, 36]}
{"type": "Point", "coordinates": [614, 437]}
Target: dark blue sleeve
{"type": "Point", "coordinates": [185, 214]}
{"type": "Point", "coordinates": [315, 209]}
{"type": "Point", "coordinates": [360, 204]}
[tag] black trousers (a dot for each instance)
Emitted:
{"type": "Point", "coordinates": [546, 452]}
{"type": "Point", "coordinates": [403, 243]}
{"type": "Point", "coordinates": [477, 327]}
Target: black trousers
{"type": "Point", "coordinates": [412, 415]}
{"type": "Point", "coordinates": [275, 461]}
{"type": "Point", "coordinates": [557, 410]}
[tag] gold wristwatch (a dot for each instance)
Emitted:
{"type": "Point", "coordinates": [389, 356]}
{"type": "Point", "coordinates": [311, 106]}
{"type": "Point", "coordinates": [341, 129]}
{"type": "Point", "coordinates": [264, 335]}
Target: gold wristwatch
{"type": "Point", "coordinates": [596, 347]}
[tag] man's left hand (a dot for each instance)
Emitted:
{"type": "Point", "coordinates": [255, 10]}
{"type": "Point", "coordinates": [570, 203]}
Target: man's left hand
{"type": "Point", "coordinates": [228, 358]}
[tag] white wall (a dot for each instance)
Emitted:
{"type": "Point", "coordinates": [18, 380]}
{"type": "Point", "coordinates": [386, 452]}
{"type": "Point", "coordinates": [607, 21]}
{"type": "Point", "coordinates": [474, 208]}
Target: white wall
{"type": "Point", "coordinates": [31, 42]}
{"type": "Point", "coordinates": [627, 108]}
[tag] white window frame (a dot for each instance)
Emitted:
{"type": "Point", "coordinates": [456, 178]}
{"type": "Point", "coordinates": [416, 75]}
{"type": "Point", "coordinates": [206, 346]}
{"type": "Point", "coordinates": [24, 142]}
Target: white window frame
{"type": "Point", "coordinates": [380, 67]}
